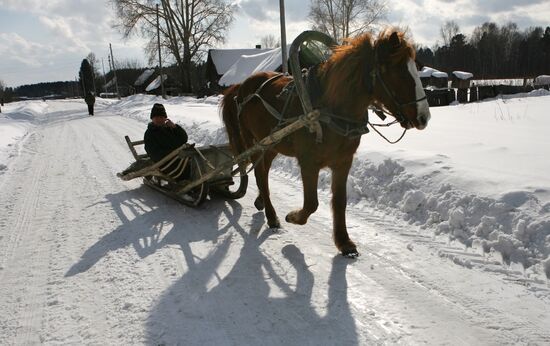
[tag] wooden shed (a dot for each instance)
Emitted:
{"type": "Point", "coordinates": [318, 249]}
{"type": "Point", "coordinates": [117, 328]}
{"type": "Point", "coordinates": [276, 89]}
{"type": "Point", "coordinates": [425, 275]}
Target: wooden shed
{"type": "Point", "coordinates": [434, 78]}
{"type": "Point", "coordinates": [461, 79]}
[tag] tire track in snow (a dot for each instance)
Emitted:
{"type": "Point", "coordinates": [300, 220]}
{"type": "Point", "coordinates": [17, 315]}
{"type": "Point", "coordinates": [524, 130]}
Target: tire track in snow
{"type": "Point", "coordinates": [73, 301]}
{"type": "Point", "coordinates": [28, 256]}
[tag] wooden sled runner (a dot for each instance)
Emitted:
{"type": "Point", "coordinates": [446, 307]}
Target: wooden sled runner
{"type": "Point", "coordinates": [229, 181]}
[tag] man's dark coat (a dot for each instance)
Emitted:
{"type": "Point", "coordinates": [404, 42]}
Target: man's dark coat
{"type": "Point", "coordinates": [162, 140]}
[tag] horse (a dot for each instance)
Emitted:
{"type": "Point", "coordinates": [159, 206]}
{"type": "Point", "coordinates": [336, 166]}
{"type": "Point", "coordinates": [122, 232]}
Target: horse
{"type": "Point", "coordinates": [361, 72]}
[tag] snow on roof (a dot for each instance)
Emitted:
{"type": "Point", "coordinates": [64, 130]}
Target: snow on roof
{"type": "Point", "coordinates": [156, 83]}
{"type": "Point", "coordinates": [428, 72]}
{"type": "Point", "coordinates": [247, 65]}
{"type": "Point", "coordinates": [144, 76]}
{"type": "Point", "coordinates": [110, 83]}
{"type": "Point", "coordinates": [542, 80]}
{"type": "Point", "coordinates": [463, 75]}
{"type": "Point", "coordinates": [223, 59]}
{"type": "Point", "coordinates": [439, 74]}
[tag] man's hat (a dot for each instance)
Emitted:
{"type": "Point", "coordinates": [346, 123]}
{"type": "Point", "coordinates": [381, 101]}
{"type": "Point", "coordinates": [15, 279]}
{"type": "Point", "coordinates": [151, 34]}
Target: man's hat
{"type": "Point", "coordinates": [158, 110]}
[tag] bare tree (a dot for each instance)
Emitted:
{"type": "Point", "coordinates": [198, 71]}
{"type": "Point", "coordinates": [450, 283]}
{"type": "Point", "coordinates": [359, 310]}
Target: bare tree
{"type": "Point", "coordinates": [269, 41]}
{"type": "Point", "coordinates": [134, 64]}
{"type": "Point", "coordinates": [92, 59]}
{"type": "Point", "coordinates": [187, 28]}
{"type": "Point", "coordinates": [448, 30]}
{"type": "Point", "coordinates": [346, 18]}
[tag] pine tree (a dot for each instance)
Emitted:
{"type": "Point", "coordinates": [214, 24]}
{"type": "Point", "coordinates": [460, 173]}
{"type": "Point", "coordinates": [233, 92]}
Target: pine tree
{"type": "Point", "coordinates": [86, 77]}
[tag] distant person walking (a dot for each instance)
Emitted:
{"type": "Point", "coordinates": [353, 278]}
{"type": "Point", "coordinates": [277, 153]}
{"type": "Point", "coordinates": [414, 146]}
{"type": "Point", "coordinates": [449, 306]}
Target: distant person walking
{"type": "Point", "coordinates": [90, 100]}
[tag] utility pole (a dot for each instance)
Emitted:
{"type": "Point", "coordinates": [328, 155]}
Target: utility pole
{"type": "Point", "coordinates": [283, 35]}
{"type": "Point", "coordinates": [104, 78]}
{"type": "Point", "coordinates": [114, 71]}
{"type": "Point", "coordinates": [160, 58]}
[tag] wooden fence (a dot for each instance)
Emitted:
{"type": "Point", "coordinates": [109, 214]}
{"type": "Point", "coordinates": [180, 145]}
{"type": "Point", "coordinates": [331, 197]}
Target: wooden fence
{"type": "Point", "coordinates": [444, 97]}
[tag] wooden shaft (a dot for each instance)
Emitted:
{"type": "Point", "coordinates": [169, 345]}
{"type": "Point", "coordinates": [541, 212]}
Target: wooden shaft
{"type": "Point", "coordinates": [261, 145]}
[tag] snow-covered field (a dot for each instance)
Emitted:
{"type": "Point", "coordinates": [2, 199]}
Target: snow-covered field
{"type": "Point", "coordinates": [453, 224]}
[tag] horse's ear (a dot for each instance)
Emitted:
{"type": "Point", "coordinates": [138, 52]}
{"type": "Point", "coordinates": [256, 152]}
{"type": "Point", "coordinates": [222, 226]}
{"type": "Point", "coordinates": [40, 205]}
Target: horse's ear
{"type": "Point", "coordinates": [394, 40]}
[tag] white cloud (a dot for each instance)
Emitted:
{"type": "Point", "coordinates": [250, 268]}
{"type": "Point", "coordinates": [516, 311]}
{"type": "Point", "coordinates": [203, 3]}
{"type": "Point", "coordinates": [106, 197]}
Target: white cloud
{"type": "Point", "coordinates": [15, 47]}
{"type": "Point", "coordinates": [62, 29]}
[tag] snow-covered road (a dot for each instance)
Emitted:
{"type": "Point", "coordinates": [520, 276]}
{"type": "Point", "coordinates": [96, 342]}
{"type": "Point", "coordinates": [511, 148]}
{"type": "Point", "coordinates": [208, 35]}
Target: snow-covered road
{"type": "Point", "coordinates": [89, 259]}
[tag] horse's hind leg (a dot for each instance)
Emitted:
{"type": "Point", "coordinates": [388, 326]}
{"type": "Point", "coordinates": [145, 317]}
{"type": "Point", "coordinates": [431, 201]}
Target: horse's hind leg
{"type": "Point", "coordinates": [339, 201]}
{"type": "Point", "coordinates": [261, 173]}
{"type": "Point", "coordinates": [310, 176]}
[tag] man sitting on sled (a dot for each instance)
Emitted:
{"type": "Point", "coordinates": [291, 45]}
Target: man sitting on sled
{"type": "Point", "coordinates": [161, 138]}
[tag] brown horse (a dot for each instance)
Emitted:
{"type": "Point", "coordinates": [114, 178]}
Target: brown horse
{"type": "Point", "coordinates": [360, 73]}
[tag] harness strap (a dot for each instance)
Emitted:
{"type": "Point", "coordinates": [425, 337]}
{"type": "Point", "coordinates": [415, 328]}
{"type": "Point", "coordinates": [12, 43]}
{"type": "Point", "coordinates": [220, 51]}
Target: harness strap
{"type": "Point", "coordinates": [339, 124]}
{"type": "Point", "coordinates": [267, 106]}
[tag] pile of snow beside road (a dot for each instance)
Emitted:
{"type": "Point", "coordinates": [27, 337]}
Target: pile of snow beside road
{"type": "Point", "coordinates": [15, 122]}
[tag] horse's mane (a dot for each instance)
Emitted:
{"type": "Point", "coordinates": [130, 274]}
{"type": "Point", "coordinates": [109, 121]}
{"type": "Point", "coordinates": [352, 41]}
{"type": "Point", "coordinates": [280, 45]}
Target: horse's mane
{"type": "Point", "coordinates": [405, 50]}
{"type": "Point", "coordinates": [344, 73]}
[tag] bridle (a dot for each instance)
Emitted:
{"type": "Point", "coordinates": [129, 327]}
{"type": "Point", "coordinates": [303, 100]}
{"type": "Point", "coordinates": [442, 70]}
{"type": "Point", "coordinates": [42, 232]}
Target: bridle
{"type": "Point", "coordinates": [375, 76]}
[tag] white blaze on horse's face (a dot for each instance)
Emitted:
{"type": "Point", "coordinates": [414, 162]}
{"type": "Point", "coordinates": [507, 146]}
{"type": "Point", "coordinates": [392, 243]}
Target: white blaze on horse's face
{"type": "Point", "coordinates": [422, 107]}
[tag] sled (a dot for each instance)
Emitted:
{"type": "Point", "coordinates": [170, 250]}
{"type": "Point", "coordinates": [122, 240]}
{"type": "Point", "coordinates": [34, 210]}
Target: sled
{"type": "Point", "coordinates": [230, 182]}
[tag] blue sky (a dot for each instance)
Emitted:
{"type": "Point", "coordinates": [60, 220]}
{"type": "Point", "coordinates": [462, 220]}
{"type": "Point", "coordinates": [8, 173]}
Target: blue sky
{"type": "Point", "coordinates": [44, 41]}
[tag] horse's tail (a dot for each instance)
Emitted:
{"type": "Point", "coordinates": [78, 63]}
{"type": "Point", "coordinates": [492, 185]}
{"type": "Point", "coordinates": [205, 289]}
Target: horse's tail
{"type": "Point", "coordinates": [230, 117]}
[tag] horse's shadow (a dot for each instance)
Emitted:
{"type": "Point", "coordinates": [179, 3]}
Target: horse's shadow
{"type": "Point", "coordinates": [148, 224]}
{"type": "Point", "coordinates": [226, 297]}
{"type": "Point", "coordinates": [251, 303]}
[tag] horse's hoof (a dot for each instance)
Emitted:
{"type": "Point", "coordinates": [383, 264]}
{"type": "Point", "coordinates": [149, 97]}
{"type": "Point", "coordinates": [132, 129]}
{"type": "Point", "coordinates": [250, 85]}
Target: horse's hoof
{"type": "Point", "coordinates": [294, 217]}
{"type": "Point", "coordinates": [259, 203]}
{"type": "Point", "coordinates": [274, 224]}
{"type": "Point", "coordinates": [352, 254]}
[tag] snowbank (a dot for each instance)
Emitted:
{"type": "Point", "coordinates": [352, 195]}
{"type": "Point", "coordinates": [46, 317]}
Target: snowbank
{"type": "Point", "coordinates": [16, 120]}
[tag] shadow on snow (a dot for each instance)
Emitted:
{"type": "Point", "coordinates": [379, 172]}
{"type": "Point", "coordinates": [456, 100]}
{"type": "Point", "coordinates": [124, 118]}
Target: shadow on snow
{"type": "Point", "coordinates": [211, 304]}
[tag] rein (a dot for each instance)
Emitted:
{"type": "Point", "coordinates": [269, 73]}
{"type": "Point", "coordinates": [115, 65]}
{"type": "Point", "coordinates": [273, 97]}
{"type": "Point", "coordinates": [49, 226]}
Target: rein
{"type": "Point", "coordinates": [373, 126]}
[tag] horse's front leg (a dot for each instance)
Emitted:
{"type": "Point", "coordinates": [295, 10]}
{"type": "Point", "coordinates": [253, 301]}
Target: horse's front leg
{"type": "Point", "coordinates": [339, 201]}
{"type": "Point", "coordinates": [261, 172]}
{"type": "Point", "coordinates": [310, 176]}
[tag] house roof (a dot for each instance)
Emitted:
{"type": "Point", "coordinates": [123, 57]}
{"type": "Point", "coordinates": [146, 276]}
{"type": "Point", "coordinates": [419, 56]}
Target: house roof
{"type": "Point", "coordinates": [463, 75]}
{"type": "Point", "coordinates": [542, 80]}
{"type": "Point", "coordinates": [428, 72]}
{"type": "Point", "coordinates": [156, 83]}
{"type": "Point", "coordinates": [223, 59]}
{"type": "Point", "coordinates": [144, 77]}
{"type": "Point", "coordinates": [247, 65]}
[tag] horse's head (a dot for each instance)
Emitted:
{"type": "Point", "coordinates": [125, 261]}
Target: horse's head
{"type": "Point", "coordinates": [395, 82]}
